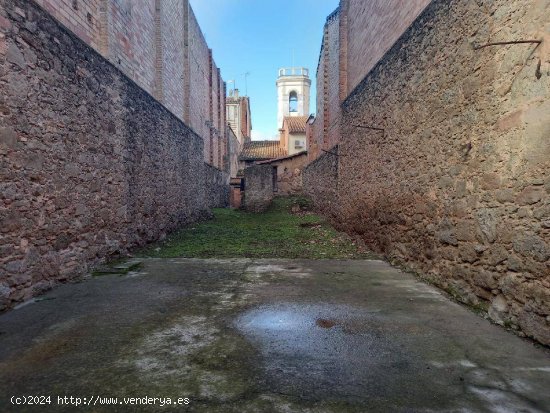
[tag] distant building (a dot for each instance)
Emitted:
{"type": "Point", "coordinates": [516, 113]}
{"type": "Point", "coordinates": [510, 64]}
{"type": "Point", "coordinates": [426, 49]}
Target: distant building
{"type": "Point", "coordinates": [287, 173]}
{"type": "Point", "coordinates": [293, 134]}
{"type": "Point", "coordinates": [238, 115]}
{"type": "Point", "coordinates": [288, 155]}
{"type": "Point", "coordinates": [255, 151]}
{"type": "Point", "coordinates": [293, 86]}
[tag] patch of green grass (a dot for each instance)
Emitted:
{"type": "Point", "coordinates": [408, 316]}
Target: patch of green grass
{"type": "Point", "coordinates": [277, 233]}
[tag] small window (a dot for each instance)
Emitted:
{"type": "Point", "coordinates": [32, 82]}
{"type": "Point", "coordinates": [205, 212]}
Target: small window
{"type": "Point", "coordinates": [293, 102]}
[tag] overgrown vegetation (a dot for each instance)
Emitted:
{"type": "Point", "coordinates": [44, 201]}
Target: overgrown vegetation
{"type": "Point", "coordinates": [287, 230]}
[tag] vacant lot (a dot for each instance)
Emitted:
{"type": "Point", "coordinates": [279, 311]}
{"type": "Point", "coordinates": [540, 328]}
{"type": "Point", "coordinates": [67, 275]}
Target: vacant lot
{"type": "Point", "coordinates": [288, 230]}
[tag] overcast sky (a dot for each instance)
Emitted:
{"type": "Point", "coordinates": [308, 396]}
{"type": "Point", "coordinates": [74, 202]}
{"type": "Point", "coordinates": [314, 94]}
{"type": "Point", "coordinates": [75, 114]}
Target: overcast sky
{"type": "Point", "coordinates": [259, 36]}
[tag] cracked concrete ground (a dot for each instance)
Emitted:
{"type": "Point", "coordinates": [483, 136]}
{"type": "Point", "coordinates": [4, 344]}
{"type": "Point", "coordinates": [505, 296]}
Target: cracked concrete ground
{"type": "Point", "coordinates": [266, 336]}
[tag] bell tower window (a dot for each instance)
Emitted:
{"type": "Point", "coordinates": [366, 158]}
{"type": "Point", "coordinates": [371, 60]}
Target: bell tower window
{"type": "Point", "coordinates": [293, 102]}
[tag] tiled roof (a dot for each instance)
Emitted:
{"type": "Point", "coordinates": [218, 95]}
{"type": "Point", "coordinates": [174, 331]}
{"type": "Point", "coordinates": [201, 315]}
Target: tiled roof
{"type": "Point", "coordinates": [284, 158]}
{"type": "Point", "coordinates": [261, 150]}
{"type": "Point", "coordinates": [296, 124]}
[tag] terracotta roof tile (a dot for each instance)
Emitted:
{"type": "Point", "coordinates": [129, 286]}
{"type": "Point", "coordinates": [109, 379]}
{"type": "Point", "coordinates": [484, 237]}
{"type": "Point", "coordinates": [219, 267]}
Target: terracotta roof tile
{"type": "Point", "coordinates": [261, 150]}
{"type": "Point", "coordinates": [296, 124]}
{"type": "Point", "coordinates": [284, 158]}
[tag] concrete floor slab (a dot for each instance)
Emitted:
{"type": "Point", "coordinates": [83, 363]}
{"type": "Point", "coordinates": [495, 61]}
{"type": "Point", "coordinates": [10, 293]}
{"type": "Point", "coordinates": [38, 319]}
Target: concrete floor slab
{"type": "Point", "coordinates": [265, 336]}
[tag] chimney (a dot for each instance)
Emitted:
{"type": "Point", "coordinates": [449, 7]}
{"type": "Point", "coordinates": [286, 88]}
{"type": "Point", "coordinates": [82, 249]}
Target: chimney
{"type": "Point", "coordinates": [236, 91]}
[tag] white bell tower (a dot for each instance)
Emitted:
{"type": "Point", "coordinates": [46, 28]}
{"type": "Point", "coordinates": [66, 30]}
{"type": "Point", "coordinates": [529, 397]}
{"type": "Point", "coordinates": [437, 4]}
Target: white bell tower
{"type": "Point", "coordinates": [293, 85]}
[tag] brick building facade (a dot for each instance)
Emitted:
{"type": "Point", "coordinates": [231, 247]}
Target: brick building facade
{"type": "Point", "coordinates": [355, 37]}
{"type": "Point", "coordinates": [160, 46]}
{"type": "Point", "coordinates": [239, 116]}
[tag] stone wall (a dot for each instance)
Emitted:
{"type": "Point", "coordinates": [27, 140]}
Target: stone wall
{"type": "Point", "coordinates": [160, 46]}
{"type": "Point", "coordinates": [289, 173]}
{"type": "Point", "coordinates": [258, 190]}
{"type": "Point", "coordinates": [231, 160]}
{"type": "Point", "coordinates": [320, 182]}
{"type": "Point", "coordinates": [456, 185]}
{"type": "Point", "coordinates": [216, 184]}
{"type": "Point", "coordinates": [90, 164]}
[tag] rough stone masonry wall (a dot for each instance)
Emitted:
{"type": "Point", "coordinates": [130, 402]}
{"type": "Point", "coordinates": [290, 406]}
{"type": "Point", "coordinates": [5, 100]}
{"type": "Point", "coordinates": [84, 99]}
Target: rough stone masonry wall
{"type": "Point", "coordinates": [258, 190]}
{"type": "Point", "coordinates": [290, 175]}
{"type": "Point", "coordinates": [160, 46]}
{"type": "Point", "coordinates": [216, 187]}
{"type": "Point", "coordinates": [90, 164]}
{"type": "Point", "coordinates": [320, 181]}
{"type": "Point", "coordinates": [458, 184]}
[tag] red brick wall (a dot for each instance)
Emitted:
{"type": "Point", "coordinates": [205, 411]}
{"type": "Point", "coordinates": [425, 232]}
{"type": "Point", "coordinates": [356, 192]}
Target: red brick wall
{"type": "Point", "coordinates": [246, 123]}
{"type": "Point", "coordinates": [316, 143]}
{"type": "Point", "coordinates": [132, 40]}
{"type": "Point", "coordinates": [199, 71]}
{"type": "Point", "coordinates": [172, 26]}
{"type": "Point", "coordinates": [356, 36]}
{"type": "Point", "coordinates": [373, 27]}
{"type": "Point", "coordinates": [325, 131]}
{"type": "Point", "coordinates": [333, 82]}
{"type": "Point", "coordinates": [214, 115]}
{"type": "Point", "coordinates": [82, 17]}
{"type": "Point", "coordinates": [223, 143]}
{"type": "Point", "coordinates": [160, 46]}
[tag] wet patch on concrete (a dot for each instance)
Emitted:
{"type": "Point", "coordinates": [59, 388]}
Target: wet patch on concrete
{"type": "Point", "coordinates": [270, 336]}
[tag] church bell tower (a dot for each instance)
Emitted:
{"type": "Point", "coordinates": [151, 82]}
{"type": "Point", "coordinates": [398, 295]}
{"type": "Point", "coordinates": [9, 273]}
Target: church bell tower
{"type": "Point", "coordinates": [293, 85]}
